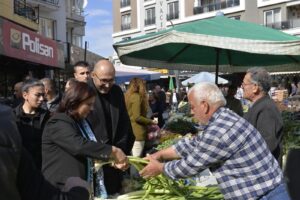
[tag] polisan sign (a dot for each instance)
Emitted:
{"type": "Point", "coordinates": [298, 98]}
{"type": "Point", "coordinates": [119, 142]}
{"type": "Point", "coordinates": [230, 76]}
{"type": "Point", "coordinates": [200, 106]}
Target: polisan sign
{"type": "Point", "coordinates": [24, 44]}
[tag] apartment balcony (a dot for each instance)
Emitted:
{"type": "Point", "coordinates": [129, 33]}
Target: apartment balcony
{"type": "Point", "coordinates": [45, 5]}
{"type": "Point", "coordinates": [125, 3]}
{"type": "Point", "coordinates": [216, 6]}
{"type": "Point", "coordinates": [284, 25]}
{"type": "Point", "coordinates": [75, 17]}
{"type": "Point", "coordinates": [51, 2]}
{"type": "Point", "coordinates": [125, 27]}
{"type": "Point", "coordinates": [25, 10]}
{"type": "Point", "coordinates": [45, 2]}
{"type": "Point", "coordinates": [149, 22]}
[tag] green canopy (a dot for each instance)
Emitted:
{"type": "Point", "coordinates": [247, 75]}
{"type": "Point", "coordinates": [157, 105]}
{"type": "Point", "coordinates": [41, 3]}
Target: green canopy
{"type": "Point", "coordinates": [201, 45]}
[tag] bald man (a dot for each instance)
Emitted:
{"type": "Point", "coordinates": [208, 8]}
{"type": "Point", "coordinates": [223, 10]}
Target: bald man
{"type": "Point", "coordinates": [109, 119]}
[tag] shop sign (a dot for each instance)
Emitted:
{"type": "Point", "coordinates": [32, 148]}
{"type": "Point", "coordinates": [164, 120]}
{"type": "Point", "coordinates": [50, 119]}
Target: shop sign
{"type": "Point", "coordinates": [24, 44]}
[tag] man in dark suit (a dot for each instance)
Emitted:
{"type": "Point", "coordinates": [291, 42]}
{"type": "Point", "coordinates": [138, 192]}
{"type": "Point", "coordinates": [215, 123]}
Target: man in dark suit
{"type": "Point", "coordinates": [109, 119]}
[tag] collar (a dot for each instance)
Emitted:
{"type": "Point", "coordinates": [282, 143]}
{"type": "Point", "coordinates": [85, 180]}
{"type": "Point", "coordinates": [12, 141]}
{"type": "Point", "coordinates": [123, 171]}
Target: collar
{"type": "Point", "coordinates": [54, 99]}
{"type": "Point", "coordinates": [215, 116]}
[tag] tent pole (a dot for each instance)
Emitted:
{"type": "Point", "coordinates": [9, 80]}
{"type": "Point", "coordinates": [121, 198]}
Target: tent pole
{"type": "Point", "coordinates": [217, 65]}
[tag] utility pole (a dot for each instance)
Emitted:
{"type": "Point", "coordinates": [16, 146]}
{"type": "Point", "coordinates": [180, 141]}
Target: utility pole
{"type": "Point", "coordinates": [85, 49]}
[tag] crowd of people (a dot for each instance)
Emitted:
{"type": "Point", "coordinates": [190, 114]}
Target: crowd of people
{"type": "Point", "coordinates": [57, 137]}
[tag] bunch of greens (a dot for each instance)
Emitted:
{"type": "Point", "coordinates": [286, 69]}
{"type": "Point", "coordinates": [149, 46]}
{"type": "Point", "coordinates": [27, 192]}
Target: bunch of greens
{"type": "Point", "coordinates": [181, 125]}
{"type": "Point", "coordinates": [291, 131]}
{"type": "Point", "coordinates": [161, 187]}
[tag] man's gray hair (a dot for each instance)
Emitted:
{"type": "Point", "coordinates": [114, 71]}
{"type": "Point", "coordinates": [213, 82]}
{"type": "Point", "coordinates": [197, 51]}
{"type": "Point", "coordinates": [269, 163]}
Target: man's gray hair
{"type": "Point", "coordinates": [261, 77]}
{"type": "Point", "coordinates": [208, 92]}
{"type": "Point", "coordinates": [49, 83]}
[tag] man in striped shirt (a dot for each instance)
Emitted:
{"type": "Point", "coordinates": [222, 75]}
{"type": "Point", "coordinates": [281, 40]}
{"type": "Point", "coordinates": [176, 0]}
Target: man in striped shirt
{"type": "Point", "coordinates": [229, 146]}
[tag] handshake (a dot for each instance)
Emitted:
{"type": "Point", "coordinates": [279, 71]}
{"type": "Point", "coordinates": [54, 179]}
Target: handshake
{"type": "Point", "coordinates": [118, 160]}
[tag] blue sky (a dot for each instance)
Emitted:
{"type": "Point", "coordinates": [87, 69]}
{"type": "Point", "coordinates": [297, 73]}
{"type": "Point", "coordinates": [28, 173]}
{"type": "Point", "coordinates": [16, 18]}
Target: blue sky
{"type": "Point", "coordinates": [99, 27]}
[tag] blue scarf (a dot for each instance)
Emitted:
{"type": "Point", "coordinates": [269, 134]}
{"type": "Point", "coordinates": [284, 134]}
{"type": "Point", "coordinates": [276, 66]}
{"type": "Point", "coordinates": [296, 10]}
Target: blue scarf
{"type": "Point", "coordinates": [95, 178]}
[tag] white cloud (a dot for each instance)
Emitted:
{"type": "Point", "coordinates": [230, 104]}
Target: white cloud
{"type": "Point", "coordinates": [98, 13]}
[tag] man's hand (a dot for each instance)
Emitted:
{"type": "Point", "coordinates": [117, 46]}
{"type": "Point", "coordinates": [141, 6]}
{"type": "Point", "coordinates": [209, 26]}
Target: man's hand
{"type": "Point", "coordinates": [121, 160]}
{"type": "Point", "coordinates": [153, 168]}
{"type": "Point", "coordinates": [156, 156]}
{"type": "Point", "coordinates": [121, 166]}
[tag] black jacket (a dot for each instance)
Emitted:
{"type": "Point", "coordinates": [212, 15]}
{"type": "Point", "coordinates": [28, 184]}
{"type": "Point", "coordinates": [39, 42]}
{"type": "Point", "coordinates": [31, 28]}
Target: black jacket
{"type": "Point", "coordinates": [266, 118]}
{"type": "Point", "coordinates": [65, 150]}
{"type": "Point", "coordinates": [53, 105]}
{"type": "Point", "coordinates": [19, 178]}
{"type": "Point", "coordinates": [122, 134]}
{"type": "Point", "coordinates": [10, 153]}
{"type": "Point", "coordinates": [121, 131]}
{"type": "Point", "coordinates": [31, 129]}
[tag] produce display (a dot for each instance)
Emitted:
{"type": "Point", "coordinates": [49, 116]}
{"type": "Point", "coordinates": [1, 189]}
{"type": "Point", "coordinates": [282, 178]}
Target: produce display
{"type": "Point", "coordinates": [291, 130]}
{"type": "Point", "coordinates": [168, 139]}
{"type": "Point", "coordinates": [195, 193]}
{"type": "Point", "coordinates": [181, 125]}
{"type": "Point", "coordinates": [161, 187]}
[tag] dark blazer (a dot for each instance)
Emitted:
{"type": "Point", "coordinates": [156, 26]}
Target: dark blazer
{"type": "Point", "coordinates": [266, 118]}
{"type": "Point", "coordinates": [10, 153]}
{"type": "Point", "coordinates": [19, 178]}
{"type": "Point", "coordinates": [65, 150]}
{"type": "Point", "coordinates": [122, 134]}
{"type": "Point", "coordinates": [31, 129]}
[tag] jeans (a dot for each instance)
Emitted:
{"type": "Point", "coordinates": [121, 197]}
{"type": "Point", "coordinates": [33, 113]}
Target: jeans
{"type": "Point", "coordinates": [278, 193]}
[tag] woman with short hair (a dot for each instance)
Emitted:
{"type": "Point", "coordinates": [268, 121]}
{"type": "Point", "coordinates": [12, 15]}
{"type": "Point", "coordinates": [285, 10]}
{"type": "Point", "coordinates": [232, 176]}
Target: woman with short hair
{"type": "Point", "coordinates": [69, 144]}
{"type": "Point", "coordinates": [31, 118]}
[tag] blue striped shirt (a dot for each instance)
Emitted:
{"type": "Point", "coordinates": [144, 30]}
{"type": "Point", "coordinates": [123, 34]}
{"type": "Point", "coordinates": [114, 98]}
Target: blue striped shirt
{"type": "Point", "coordinates": [235, 153]}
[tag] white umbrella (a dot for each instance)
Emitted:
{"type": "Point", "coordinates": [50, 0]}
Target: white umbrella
{"type": "Point", "coordinates": [204, 77]}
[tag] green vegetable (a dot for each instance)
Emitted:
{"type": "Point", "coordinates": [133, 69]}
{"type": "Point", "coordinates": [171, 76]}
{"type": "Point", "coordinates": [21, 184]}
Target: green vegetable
{"type": "Point", "coordinates": [291, 132]}
{"type": "Point", "coordinates": [182, 125]}
{"type": "Point", "coordinates": [163, 188]}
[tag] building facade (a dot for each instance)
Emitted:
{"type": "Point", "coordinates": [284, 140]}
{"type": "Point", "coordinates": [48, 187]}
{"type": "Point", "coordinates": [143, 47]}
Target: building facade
{"type": "Point", "coordinates": [40, 38]}
{"type": "Point", "coordinates": [133, 18]}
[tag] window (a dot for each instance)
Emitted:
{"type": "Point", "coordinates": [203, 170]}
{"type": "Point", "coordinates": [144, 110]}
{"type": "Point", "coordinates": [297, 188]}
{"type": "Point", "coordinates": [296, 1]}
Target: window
{"type": "Point", "coordinates": [150, 16]}
{"type": "Point", "coordinates": [125, 22]}
{"type": "Point", "coordinates": [272, 18]}
{"type": "Point", "coordinates": [126, 38]}
{"type": "Point", "coordinates": [125, 3]}
{"type": "Point", "coordinates": [53, 2]}
{"type": "Point", "coordinates": [46, 27]}
{"type": "Point", "coordinates": [76, 7]}
{"type": "Point", "coordinates": [24, 10]}
{"type": "Point", "coordinates": [235, 17]}
{"type": "Point", "coordinates": [77, 40]}
{"type": "Point", "coordinates": [173, 11]}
